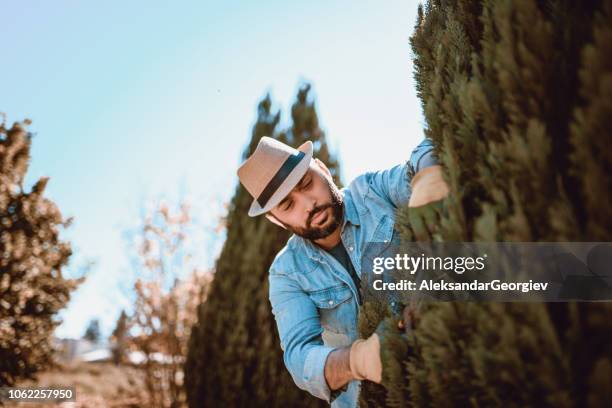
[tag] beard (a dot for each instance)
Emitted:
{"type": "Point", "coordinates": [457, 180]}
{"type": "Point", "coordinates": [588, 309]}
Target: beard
{"type": "Point", "coordinates": [333, 221]}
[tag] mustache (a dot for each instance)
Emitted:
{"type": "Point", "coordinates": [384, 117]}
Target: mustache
{"type": "Point", "coordinates": [317, 210]}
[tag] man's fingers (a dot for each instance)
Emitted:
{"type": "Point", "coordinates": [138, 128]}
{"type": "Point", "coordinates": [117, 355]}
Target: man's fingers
{"type": "Point", "coordinates": [432, 217]}
{"type": "Point", "coordinates": [417, 223]}
{"type": "Point", "coordinates": [425, 220]}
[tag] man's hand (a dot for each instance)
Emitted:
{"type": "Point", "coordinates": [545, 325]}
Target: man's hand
{"type": "Point", "coordinates": [365, 360]}
{"type": "Point", "coordinates": [361, 360]}
{"type": "Point", "coordinates": [337, 369]}
{"type": "Point", "coordinates": [428, 190]}
{"type": "Point", "coordinates": [428, 185]}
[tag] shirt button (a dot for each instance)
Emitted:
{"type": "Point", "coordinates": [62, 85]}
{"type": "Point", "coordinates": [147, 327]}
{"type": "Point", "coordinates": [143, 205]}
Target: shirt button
{"type": "Point", "coordinates": [331, 302]}
{"type": "Point", "coordinates": [386, 240]}
{"type": "Point", "coordinates": [350, 248]}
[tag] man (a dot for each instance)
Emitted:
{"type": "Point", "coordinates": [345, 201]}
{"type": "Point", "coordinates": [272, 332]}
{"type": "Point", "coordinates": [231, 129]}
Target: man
{"type": "Point", "coordinates": [315, 278]}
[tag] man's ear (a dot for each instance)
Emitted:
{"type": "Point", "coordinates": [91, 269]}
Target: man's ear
{"type": "Point", "coordinates": [274, 220]}
{"type": "Point", "coordinates": [323, 167]}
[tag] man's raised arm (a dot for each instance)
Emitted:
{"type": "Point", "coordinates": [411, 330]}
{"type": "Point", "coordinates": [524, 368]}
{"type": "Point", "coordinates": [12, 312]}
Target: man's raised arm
{"type": "Point", "coordinates": [417, 181]}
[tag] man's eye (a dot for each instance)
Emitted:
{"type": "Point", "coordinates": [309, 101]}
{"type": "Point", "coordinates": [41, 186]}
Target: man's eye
{"type": "Point", "coordinates": [288, 205]}
{"type": "Point", "coordinates": [307, 186]}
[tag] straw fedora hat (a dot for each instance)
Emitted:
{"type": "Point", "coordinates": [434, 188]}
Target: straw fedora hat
{"type": "Point", "coordinates": [272, 171]}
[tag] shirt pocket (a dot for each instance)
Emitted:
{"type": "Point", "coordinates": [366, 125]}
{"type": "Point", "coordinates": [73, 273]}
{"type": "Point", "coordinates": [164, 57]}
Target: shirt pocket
{"type": "Point", "coordinates": [334, 308]}
{"type": "Point", "coordinates": [384, 243]}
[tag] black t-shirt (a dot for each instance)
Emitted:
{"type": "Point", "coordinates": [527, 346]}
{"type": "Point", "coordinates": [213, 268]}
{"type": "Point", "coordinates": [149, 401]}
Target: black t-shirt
{"type": "Point", "coordinates": [339, 252]}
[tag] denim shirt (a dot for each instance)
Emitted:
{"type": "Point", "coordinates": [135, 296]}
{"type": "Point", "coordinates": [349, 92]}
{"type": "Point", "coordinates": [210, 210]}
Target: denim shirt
{"type": "Point", "coordinates": [313, 298]}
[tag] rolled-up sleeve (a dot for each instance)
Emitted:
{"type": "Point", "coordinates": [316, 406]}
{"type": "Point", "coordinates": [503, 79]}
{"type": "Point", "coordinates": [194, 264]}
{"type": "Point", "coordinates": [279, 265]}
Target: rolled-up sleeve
{"type": "Point", "coordinates": [299, 328]}
{"type": "Point", "coordinates": [422, 156]}
{"type": "Point", "coordinates": [394, 184]}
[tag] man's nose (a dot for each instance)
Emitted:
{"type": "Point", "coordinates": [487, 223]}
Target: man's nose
{"type": "Point", "coordinates": [310, 203]}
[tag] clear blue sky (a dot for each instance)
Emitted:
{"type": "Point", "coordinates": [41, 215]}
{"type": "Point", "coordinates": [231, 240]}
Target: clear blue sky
{"type": "Point", "coordinates": [134, 100]}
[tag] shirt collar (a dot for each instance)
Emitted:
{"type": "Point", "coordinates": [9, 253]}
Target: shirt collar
{"type": "Point", "coordinates": [350, 212]}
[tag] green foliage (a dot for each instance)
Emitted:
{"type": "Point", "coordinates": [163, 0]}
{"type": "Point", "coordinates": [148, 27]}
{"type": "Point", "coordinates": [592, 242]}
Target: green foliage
{"type": "Point", "coordinates": [32, 288]}
{"type": "Point", "coordinates": [92, 332]}
{"type": "Point", "coordinates": [591, 130]}
{"type": "Point", "coordinates": [234, 353]}
{"type": "Point", "coordinates": [119, 339]}
{"type": "Point", "coordinates": [487, 354]}
{"type": "Point", "coordinates": [517, 98]}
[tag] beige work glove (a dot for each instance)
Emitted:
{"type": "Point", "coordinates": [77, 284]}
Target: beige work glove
{"type": "Point", "coordinates": [364, 359]}
{"type": "Point", "coordinates": [365, 355]}
{"type": "Point", "coordinates": [428, 185]}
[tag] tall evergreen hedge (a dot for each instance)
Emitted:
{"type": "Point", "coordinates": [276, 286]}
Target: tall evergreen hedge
{"type": "Point", "coordinates": [234, 356]}
{"type": "Point", "coordinates": [517, 96]}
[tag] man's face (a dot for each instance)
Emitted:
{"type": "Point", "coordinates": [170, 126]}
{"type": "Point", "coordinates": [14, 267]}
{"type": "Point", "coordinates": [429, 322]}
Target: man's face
{"type": "Point", "coordinates": [314, 208]}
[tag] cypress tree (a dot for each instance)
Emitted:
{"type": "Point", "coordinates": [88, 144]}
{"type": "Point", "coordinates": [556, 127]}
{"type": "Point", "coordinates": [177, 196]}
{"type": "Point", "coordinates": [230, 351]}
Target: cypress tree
{"type": "Point", "coordinates": [234, 355]}
{"type": "Point", "coordinates": [516, 96]}
{"type": "Point", "coordinates": [119, 339]}
{"type": "Point", "coordinates": [92, 332]}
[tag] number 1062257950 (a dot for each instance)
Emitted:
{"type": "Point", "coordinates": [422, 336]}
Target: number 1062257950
{"type": "Point", "coordinates": [37, 394]}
